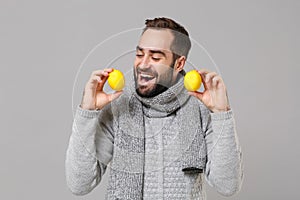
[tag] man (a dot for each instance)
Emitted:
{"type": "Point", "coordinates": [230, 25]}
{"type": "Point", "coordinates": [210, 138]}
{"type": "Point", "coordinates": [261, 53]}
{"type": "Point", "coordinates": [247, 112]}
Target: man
{"type": "Point", "coordinates": [159, 140]}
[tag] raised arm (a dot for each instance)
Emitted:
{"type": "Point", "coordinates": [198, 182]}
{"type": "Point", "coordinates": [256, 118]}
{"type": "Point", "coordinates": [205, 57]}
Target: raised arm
{"type": "Point", "coordinates": [91, 143]}
{"type": "Point", "coordinates": [224, 156]}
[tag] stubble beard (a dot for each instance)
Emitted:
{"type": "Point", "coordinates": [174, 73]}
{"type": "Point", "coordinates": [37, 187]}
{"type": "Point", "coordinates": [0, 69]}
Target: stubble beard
{"type": "Point", "coordinates": [165, 82]}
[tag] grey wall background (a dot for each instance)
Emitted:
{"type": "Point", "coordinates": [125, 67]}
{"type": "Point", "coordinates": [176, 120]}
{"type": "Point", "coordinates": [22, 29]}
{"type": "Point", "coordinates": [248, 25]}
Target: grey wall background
{"type": "Point", "coordinates": [42, 44]}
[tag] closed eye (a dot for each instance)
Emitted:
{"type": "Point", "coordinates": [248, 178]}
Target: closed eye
{"type": "Point", "coordinates": [155, 59]}
{"type": "Point", "coordinates": [139, 55]}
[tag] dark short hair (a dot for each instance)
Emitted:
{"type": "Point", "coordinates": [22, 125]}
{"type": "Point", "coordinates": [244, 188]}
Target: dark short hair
{"type": "Point", "coordinates": [181, 44]}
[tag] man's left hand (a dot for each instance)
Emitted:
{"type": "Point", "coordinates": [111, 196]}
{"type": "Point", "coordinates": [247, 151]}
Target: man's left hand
{"type": "Point", "coordinates": [214, 95]}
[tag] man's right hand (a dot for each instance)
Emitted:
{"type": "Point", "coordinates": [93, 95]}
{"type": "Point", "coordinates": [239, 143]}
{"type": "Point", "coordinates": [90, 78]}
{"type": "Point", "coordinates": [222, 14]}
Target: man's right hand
{"type": "Point", "coordinates": [93, 96]}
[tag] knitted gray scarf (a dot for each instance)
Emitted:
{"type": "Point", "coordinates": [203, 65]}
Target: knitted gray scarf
{"type": "Point", "coordinates": [127, 166]}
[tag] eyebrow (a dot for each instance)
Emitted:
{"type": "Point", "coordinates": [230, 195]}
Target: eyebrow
{"type": "Point", "coordinates": [152, 51]}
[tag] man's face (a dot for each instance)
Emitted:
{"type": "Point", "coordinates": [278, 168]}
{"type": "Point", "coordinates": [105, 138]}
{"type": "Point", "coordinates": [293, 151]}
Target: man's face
{"type": "Point", "coordinates": [153, 65]}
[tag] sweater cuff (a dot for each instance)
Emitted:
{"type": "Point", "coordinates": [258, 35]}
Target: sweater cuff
{"type": "Point", "coordinates": [87, 113]}
{"type": "Point", "coordinates": [221, 115]}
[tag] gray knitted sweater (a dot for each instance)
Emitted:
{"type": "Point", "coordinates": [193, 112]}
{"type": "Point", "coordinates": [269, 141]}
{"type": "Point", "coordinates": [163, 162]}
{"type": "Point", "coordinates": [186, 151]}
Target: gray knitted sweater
{"type": "Point", "coordinates": [91, 148]}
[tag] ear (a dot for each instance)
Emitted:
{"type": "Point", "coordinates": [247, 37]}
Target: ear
{"type": "Point", "coordinates": [179, 63]}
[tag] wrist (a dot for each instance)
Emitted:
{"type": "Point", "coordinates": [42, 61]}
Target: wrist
{"type": "Point", "coordinates": [87, 107]}
{"type": "Point", "coordinates": [222, 115]}
{"type": "Point", "coordinates": [218, 110]}
{"type": "Point", "coordinates": [86, 112]}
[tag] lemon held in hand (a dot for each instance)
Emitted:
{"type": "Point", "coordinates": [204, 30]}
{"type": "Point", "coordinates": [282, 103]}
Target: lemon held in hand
{"type": "Point", "coordinates": [116, 80]}
{"type": "Point", "coordinates": [192, 81]}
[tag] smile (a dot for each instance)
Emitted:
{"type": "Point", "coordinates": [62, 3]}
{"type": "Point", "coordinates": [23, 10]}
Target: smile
{"type": "Point", "coordinates": [145, 79]}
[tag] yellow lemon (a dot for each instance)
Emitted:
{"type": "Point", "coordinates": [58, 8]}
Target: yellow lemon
{"type": "Point", "coordinates": [116, 80]}
{"type": "Point", "coordinates": [192, 81]}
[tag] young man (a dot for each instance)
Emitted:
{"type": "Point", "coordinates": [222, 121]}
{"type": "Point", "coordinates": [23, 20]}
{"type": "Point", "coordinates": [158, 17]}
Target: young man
{"type": "Point", "coordinates": [159, 141]}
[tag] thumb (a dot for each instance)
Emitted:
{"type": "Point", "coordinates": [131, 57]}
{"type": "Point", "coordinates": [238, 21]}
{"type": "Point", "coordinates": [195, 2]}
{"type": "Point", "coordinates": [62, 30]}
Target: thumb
{"type": "Point", "coordinates": [198, 95]}
{"type": "Point", "coordinates": [115, 95]}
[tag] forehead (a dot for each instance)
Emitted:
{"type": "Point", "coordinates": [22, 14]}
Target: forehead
{"type": "Point", "coordinates": [156, 39]}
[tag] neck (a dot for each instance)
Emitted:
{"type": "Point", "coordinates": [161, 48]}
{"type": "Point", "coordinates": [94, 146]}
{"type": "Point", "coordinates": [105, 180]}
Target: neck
{"type": "Point", "coordinates": [166, 102]}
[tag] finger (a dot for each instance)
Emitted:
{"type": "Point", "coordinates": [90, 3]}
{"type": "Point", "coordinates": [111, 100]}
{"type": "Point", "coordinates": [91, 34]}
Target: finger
{"type": "Point", "coordinates": [203, 73]}
{"type": "Point", "coordinates": [101, 76]}
{"type": "Point", "coordinates": [204, 83]}
{"type": "Point", "coordinates": [209, 76]}
{"type": "Point", "coordinates": [101, 83]}
{"type": "Point", "coordinates": [208, 79]}
{"type": "Point", "coordinates": [95, 79]}
{"type": "Point", "coordinates": [114, 96]}
{"type": "Point", "coordinates": [102, 72]}
{"type": "Point", "coordinates": [93, 82]}
{"type": "Point", "coordinates": [215, 81]}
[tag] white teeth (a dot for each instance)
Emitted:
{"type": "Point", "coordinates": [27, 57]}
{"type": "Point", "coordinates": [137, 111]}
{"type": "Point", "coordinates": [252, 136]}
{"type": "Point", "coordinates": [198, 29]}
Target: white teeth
{"type": "Point", "coordinates": [146, 76]}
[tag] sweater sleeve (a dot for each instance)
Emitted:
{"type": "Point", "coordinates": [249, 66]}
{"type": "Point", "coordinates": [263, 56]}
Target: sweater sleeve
{"type": "Point", "coordinates": [90, 149]}
{"type": "Point", "coordinates": [224, 167]}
